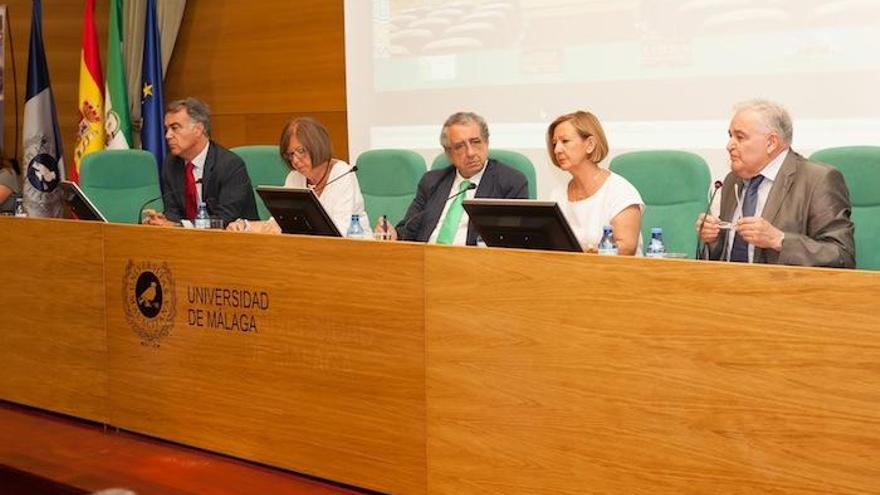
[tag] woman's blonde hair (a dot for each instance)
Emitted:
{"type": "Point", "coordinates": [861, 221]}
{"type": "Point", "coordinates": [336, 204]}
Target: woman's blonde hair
{"type": "Point", "coordinates": [587, 125]}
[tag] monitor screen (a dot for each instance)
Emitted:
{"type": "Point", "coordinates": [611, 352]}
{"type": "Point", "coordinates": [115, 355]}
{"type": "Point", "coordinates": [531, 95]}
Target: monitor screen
{"type": "Point", "coordinates": [297, 211]}
{"type": "Point", "coordinates": [79, 203]}
{"type": "Point", "coordinates": [521, 223]}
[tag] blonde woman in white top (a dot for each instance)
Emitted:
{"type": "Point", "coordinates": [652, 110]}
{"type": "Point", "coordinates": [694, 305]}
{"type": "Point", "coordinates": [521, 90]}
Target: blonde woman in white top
{"type": "Point", "coordinates": [305, 147]}
{"type": "Point", "coordinates": [594, 197]}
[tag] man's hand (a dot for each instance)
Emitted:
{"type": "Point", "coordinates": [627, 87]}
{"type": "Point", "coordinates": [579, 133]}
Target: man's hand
{"type": "Point", "coordinates": [711, 228]}
{"type": "Point", "coordinates": [759, 233]}
{"type": "Point", "coordinates": [385, 230]}
{"type": "Point", "coordinates": [153, 217]}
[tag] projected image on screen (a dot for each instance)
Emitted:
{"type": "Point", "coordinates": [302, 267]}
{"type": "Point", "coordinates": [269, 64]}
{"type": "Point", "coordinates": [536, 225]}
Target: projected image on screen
{"type": "Point", "coordinates": [544, 41]}
{"type": "Point", "coordinates": [658, 73]}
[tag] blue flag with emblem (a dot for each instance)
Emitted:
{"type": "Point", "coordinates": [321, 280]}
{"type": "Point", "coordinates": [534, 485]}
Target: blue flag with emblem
{"type": "Point", "coordinates": [41, 141]}
{"type": "Point", "coordinates": [152, 102]}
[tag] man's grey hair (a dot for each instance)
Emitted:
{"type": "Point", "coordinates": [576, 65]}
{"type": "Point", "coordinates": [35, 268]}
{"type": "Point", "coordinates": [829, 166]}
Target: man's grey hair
{"type": "Point", "coordinates": [197, 110]}
{"type": "Point", "coordinates": [463, 118]}
{"type": "Point", "coordinates": [773, 116]}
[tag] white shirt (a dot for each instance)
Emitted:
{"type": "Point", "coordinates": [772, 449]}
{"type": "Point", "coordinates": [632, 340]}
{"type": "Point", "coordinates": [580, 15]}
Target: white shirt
{"type": "Point", "coordinates": [341, 199]}
{"type": "Point", "coordinates": [199, 171]}
{"type": "Point", "coordinates": [588, 216]}
{"type": "Point", "coordinates": [461, 231]}
{"type": "Point", "coordinates": [770, 171]}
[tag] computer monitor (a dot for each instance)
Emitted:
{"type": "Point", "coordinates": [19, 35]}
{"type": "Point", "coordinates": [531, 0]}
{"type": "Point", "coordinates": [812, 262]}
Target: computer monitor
{"type": "Point", "coordinates": [521, 223]}
{"type": "Point", "coordinates": [79, 203]}
{"type": "Point", "coordinates": [297, 211]}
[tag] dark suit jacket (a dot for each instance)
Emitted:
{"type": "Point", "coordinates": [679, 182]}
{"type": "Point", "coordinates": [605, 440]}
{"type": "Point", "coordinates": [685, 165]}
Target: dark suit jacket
{"type": "Point", "coordinates": [810, 203]}
{"type": "Point", "coordinates": [498, 181]}
{"type": "Point", "coordinates": [226, 186]}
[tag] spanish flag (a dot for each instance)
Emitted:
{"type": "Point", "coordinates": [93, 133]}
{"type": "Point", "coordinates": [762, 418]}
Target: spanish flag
{"type": "Point", "coordinates": [90, 132]}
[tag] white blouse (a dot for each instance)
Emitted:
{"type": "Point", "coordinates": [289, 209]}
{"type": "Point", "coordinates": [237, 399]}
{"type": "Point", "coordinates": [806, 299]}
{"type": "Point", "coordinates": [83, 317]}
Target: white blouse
{"type": "Point", "coordinates": [588, 216]}
{"type": "Point", "coordinates": [341, 199]}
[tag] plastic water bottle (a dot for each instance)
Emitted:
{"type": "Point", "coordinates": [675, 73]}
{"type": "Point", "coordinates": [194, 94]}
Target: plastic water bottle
{"type": "Point", "coordinates": [355, 231]}
{"type": "Point", "coordinates": [202, 221]}
{"type": "Point", "coordinates": [607, 246]}
{"type": "Point", "coordinates": [656, 249]}
{"type": "Point", "coordinates": [19, 208]}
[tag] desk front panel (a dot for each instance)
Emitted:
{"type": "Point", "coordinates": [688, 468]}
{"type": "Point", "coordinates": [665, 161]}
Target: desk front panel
{"type": "Point", "coordinates": [52, 345]}
{"type": "Point", "coordinates": [277, 349]}
{"type": "Point", "coordinates": [569, 374]}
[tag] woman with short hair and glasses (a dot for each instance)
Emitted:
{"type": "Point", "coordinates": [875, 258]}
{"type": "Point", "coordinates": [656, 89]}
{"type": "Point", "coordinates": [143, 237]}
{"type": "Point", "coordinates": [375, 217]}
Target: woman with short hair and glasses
{"type": "Point", "coordinates": [305, 147]}
{"type": "Point", "coordinates": [594, 197]}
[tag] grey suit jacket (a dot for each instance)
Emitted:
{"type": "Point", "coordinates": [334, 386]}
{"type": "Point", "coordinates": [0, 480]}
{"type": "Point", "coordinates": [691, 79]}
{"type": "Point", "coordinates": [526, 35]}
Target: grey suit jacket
{"type": "Point", "coordinates": [810, 203]}
{"type": "Point", "coordinates": [423, 214]}
{"type": "Point", "coordinates": [226, 186]}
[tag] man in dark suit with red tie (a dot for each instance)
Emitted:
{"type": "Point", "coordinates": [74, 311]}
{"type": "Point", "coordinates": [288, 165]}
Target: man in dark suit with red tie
{"type": "Point", "coordinates": [199, 170]}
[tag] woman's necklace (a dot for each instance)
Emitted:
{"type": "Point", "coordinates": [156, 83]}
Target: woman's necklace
{"type": "Point", "coordinates": [318, 187]}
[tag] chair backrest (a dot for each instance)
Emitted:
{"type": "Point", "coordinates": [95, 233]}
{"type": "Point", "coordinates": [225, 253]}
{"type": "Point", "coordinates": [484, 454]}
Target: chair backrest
{"type": "Point", "coordinates": [388, 180]}
{"type": "Point", "coordinates": [507, 157]}
{"type": "Point", "coordinates": [265, 168]}
{"type": "Point", "coordinates": [119, 182]}
{"type": "Point", "coordinates": [860, 166]}
{"type": "Point", "coordinates": [674, 186]}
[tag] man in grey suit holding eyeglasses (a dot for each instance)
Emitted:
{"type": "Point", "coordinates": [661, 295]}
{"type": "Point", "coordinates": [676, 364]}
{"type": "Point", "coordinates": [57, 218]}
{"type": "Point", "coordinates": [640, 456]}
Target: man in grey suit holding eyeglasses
{"type": "Point", "coordinates": [776, 206]}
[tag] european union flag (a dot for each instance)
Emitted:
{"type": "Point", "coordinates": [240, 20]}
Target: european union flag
{"type": "Point", "coordinates": [152, 103]}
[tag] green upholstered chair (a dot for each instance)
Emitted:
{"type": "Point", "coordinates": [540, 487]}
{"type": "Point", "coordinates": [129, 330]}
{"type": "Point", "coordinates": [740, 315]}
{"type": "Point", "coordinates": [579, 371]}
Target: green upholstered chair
{"type": "Point", "coordinates": [388, 180]}
{"type": "Point", "coordinates": [674, 186]}
{"type": "Point", "coordinates": [119, 182]}
{"type": "Point", "coordinates": [860, 166]}
{"type": "Point", "coordinates": [507, 157]}
{"type": "Point", "coordinates": [265, 168]}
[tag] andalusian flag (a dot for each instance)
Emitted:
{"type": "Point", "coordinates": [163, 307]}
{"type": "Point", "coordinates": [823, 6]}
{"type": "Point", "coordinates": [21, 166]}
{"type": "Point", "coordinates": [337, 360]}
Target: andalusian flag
{"type": "Point", "coordinates": [90, 134]}
{"type": "Point", "coordinates": [116, 112]}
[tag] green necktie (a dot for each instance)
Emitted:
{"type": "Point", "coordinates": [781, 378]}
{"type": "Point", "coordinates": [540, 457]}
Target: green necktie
{"type": "Point", "coordinates": [453, 216]}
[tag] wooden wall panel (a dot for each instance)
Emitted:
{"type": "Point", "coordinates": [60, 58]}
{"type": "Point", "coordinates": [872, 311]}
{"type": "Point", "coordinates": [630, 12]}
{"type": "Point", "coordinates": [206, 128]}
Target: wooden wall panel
{"type": "Point", "coordinates": [263, 62]}
{"type": "Point", "coordinates": [52, 345]}
{"type": "Point", "coordinates": [327, 384]}
{"type": "Point", "coordinates": [570, 374]}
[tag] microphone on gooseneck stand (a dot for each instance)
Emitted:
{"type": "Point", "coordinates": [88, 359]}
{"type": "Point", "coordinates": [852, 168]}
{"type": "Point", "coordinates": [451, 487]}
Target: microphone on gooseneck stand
{"type": "Point", "coordinates": [470, 187]}
{"type": "Point", "coordinates": [716, 188]}
{"type": "Point", "coordinates": [353, 169]}
{"type": "Point", "coordinates": [420, 214]}
{"type": "Point", "coordinates": [157, 198]}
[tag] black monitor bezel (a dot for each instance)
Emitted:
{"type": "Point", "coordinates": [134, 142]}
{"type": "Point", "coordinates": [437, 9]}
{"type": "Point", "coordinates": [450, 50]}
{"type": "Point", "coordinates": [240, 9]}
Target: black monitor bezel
{"type": "Point", "coordinates": [80, 204]}
{"type": "Point", "coordinates": [486, 214]}
{"type": "Point", "coordinates": [283, 202]}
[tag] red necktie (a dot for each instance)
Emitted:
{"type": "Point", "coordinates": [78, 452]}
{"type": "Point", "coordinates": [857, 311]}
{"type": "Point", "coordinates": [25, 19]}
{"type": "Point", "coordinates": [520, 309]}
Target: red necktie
{"type": "Point", "coordinates": [189, 193]}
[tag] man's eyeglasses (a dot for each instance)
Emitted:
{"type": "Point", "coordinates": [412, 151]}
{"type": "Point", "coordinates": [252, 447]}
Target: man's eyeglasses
{"type": "Point", "coordinates": [298, 152]}
{"type": "Point", "coordinates": [460, 146]}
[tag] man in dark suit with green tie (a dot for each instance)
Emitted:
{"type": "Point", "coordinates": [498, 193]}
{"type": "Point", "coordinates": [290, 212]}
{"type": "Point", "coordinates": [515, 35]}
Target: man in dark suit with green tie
{"type": "Point", "coordinates": [436, 214]}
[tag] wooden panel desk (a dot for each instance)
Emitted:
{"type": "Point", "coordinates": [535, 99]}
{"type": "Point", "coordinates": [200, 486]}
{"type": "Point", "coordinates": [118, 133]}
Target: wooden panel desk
{"type": "Point", "coordinates": [556, 373]}
{"type": "Point", "coordinates": [52, 342]}
{"type": "Point", "coordinates": [275, 352]}
{"type": "Point", "coordinates": [406, 368]}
